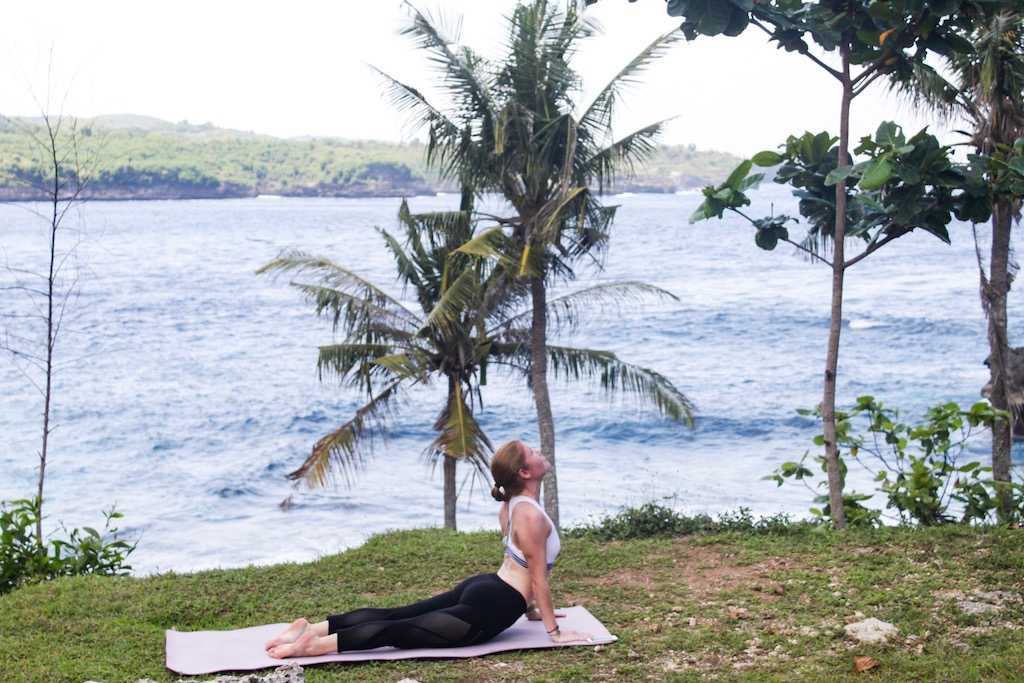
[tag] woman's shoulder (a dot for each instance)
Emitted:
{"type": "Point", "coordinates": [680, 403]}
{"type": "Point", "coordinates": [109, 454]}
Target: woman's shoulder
{"type": "Point", "coordinates": [531, 511]}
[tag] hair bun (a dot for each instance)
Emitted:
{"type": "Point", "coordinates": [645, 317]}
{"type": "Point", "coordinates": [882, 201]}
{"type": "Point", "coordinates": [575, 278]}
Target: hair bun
{"type": "Point", "coordinates": [498, 493]}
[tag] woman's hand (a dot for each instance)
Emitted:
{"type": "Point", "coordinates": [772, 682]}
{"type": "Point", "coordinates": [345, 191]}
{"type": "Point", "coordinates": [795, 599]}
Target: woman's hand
{"type": "Point", "coordinates": [569, 636]}
{"type": "Point", "coordinates": [533, 614]}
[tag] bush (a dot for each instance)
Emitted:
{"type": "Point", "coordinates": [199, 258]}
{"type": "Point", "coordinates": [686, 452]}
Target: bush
{"type": "Point", "coordinates": [654, 520]}
{"type": "Point", "coordinates": [917, 467]}
{"type": "Point", "coordinates": [23, 559]}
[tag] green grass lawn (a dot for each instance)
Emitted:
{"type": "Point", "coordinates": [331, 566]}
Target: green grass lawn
{"type": "Point", "coordinates": [736, 606]}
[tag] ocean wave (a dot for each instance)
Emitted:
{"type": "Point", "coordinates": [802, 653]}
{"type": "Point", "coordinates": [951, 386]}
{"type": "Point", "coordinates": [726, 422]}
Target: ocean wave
{"type": "Point", "coordinates": [865, 324]}
{"type": "Point", "coordinates": [234, 491]}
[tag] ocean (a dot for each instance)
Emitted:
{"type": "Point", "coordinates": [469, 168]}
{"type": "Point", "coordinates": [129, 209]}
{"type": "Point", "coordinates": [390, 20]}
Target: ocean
{"type": "Point", "coordinates": [186, 386]}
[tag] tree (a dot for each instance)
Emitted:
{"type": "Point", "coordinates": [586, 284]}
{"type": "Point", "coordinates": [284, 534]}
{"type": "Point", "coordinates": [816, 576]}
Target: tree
{"type": "Point", "coordinates": [472, 317]}
{"type": "Point", "coordinates": [986, 87]}
{"type": "Point", "coordinates": [877, 39]}
{"type": "Point", "coordinates": [514, 126]}
{"type": "Point", "coordinates": [63, 167]}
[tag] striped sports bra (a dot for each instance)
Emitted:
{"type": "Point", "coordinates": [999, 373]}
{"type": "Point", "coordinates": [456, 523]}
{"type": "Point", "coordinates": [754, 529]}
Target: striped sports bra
{"type": "Point", "coordinates": [552, 547]}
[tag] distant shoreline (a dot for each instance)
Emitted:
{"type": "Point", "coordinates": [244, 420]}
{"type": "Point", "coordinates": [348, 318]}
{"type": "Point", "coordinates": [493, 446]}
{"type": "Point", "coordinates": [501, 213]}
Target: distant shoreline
{"type": "Point", "coordinates": [140, 158]}
{"type": "Point", "coordinates": [4, 199]}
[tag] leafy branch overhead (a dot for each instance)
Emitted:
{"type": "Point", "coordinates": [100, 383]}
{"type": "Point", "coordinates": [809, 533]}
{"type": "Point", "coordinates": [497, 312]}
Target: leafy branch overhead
{"type": "Point", "coordinates": [901, 185]}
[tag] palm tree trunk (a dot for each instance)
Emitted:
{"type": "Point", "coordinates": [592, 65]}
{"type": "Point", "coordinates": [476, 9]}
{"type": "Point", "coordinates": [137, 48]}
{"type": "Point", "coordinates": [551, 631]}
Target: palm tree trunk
{"type": "Point", "coordinates": [828, 403]}
{"type": "Point", "coordinates": [449, 492]}
{"type": "Point", "coordinates": [998, 286]}
{"type": "Point", "coordinates": [541, 397]}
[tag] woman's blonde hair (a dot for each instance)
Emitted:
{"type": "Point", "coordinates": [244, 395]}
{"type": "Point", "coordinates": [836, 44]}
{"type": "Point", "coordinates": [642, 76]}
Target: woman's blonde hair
{"type": "Point", "coordinates": [505, 466]}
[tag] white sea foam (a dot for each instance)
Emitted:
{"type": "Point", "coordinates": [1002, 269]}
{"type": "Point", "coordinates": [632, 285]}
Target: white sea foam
{"type": "Point", "coordinates": [865, 324]}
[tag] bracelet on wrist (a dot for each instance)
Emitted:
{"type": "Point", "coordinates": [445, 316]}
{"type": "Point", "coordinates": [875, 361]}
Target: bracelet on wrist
{"type": "Point", "coordinates": [554, 630]}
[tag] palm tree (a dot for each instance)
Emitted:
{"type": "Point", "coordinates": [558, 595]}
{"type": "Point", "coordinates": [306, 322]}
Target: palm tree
{"type": "Point", "coordinates": [471, 316]}
{"type": "Point", "coordinates": [986, 87]}
{"type": "Point", "coordinates": [515, 126]}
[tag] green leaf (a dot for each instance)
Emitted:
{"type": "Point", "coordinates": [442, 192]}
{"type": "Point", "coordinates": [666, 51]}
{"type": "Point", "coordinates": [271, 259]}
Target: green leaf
{"type": "Point", "coordinates": [887, 133]}
{"type": "Point", "coordinates": [876, 176]}
{"type": "Point", "coordinates": [738, 174]}
{"type": "Point", "coordinates": [699, 214]}
{"type": "Point", "coordinates": [767, 158]}
{"type": "Point", "coordinates": [767, 238]}
{"type": "Point", "coordinates": [838, 174]}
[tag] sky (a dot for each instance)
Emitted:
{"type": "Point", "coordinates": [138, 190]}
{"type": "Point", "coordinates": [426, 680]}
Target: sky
{"type": "Point", "coordinates": [302, 68]}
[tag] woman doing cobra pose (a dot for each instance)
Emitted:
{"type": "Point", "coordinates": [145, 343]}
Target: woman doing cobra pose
{"type": "Point", "coordinates": [477, 609]}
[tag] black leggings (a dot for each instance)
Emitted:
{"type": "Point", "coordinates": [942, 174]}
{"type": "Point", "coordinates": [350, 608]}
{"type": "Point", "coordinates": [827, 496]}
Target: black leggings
{"type": "Point", "coordinates": [476, 610]}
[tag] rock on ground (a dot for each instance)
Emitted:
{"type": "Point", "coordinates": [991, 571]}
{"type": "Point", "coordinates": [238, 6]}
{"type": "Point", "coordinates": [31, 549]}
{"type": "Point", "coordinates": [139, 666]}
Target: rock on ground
{"type": "Point", "coordinates": [982, 602]}
{"type": "Point", "coordinates": [871, 630]}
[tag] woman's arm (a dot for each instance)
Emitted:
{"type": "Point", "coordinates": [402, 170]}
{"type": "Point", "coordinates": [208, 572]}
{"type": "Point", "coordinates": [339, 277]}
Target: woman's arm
{"type": "Point", "coordinates": [531, 536]}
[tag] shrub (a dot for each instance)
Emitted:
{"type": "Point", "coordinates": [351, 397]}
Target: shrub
{"type": "Point", "coordinates": [917, 467]}
{"type": "Point", "coordinates": [23, 559]}
{"type": "Point", "coordinates": [654, 520]}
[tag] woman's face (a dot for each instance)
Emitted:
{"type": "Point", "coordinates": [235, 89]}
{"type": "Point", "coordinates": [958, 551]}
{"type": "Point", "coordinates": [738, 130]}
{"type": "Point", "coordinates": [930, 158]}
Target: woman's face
{"type": "Point", "coordinates": [535, 464]}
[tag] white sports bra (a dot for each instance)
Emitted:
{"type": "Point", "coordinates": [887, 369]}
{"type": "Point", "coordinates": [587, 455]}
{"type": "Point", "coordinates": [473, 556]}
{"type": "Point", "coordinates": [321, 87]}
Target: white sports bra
{"type": "Point", "coordinates": [551, 548]}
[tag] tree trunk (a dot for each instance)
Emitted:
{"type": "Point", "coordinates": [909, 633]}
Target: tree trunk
{"type": "Point", "coordinates": [998, 287]}
{"type": "Point", "coordinates": [828, 403]}
{"type": "Point", "coordinates": [541, 397]}
{"type": "Point", "coordinates": [449, 492]}
{"type": "Point", "coordinates": [47, 395]}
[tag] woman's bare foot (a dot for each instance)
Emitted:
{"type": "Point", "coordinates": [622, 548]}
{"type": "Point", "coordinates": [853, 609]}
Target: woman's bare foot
{"type": "Point", "coordinates": [307, 645]}
{"type": "Point", "coordinates": [289, 635]}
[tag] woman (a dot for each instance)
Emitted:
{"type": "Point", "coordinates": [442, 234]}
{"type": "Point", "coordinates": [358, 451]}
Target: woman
{"type": "Point", "coordinates": [480, 607]}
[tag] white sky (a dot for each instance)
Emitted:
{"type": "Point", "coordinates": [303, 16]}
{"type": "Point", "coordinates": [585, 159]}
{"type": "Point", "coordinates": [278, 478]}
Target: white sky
{"type": "Point", "coordinates": [299, 68]}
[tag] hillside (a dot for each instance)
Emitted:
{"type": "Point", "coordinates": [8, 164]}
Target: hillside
{"type": "Point", "coordinates": [141, 157]}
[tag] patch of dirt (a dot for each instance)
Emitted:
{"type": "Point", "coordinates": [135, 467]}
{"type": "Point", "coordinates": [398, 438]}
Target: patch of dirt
{"type": "Point", "coordinates": [706, 571]}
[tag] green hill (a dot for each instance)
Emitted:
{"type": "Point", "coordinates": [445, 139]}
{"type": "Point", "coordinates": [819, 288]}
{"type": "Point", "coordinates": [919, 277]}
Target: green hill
{"type": "Point", "coordinates": [141, 157]}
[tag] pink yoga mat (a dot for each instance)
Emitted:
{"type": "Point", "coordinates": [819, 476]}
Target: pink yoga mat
{"type": "Point", "coordinates": [203, 652]}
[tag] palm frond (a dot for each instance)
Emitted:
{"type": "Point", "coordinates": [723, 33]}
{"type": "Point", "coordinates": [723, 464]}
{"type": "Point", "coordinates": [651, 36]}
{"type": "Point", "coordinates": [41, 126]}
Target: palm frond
{"type": "Point", "coordinates": [623, 155]}
{"type": "Point", "coordinates": [550, 218]}
{"type": "Point", "coordinates": [407, 99]}
{"type": "Point", "coordinates": [409, 273]}
{"type": "Point", "coordinates": [600, 113]}
{"type": "Point", "coordinates": [346, 448]}
{"type": "Point", "coordinates": [927, 89]}
{"type": "Point", "coordinates": [414, 365]}
{"type": "Point", "coordinates": [567, 312]}
{"type": "Point", "coordinates": [459, 433]}
{"type": "Point", "coordinates": [462, 294]}
{"type": "Point", "coordinates": [465, 72]}
{"type": "Point", "coordinates": [450, 147]}
{"type": "Point", "coordinates": [492, 243]}
{"type": "Point", "coordinates": [615, 376]}
{"type": "Point", "coordinates": [352, 364]}
{"type": "Point", "coordinates": [333, 276]}
{"type": "Point", "coordinates": [460, 436]}
{"type": "Point", "coordinates": [359, 318]}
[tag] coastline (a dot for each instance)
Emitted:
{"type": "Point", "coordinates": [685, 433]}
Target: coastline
{"type": "Point", "coordinates": [7, 197]}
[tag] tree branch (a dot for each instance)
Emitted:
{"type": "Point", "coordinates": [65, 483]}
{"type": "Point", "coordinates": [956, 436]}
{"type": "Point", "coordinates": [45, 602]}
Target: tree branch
{"type": "Point", "coordinates": [872, 248]}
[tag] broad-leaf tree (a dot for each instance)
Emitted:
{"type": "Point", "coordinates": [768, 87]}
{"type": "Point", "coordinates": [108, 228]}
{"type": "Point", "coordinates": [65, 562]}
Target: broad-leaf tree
{"type": "Point", "coordinates": [864, 41]}
{"type": "Point", "coordinates": [514, 125]}
{"type": "Point", "coordinates": [985, 88]}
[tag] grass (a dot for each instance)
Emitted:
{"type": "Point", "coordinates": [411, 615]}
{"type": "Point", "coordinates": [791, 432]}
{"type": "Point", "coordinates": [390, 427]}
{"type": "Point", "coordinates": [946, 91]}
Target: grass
{"type": "Point", "coordinates": [734, 606]}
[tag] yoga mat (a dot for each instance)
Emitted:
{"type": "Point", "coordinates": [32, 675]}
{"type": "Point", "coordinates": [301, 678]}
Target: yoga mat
{"type": "Point", "coordinates": [203, 652]}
